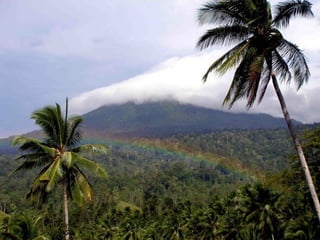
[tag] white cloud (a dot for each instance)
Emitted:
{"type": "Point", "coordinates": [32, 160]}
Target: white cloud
{"type": "Point", "coordinates": [177, 78]}
{"type": "Point", "coordinates": [180, 79]}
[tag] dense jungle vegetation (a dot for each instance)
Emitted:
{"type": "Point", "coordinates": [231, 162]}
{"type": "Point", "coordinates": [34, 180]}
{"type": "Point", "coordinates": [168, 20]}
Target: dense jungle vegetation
{"type": "Point", "coordinates": [176, 188]}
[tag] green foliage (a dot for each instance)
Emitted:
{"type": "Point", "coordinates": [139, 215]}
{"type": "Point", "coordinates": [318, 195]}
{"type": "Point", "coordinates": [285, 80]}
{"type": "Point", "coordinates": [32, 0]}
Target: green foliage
{"type": "Point", "coordinates": [22, 227]}
{"type": "Point", "coordinates": [58, 154]}
{"type": "Point", "coordinates": [265, 150]}
{"type": "Point", "coordinates": [154, 193]}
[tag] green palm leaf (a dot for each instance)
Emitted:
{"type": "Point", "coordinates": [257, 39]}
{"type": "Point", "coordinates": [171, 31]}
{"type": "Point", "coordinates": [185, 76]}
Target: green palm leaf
{"type": "Point", "coordinates": [81, 188]}
{"type": "Point", "coordinates": [29, 164]}
{"type": "Point", "coordinates": [51, 121]}
{"type": "Point", "coordinates": [90, 165]}
{"type": "Point", "coordinates": [32, 144]}
{"type": "Point", "coordinates": [73, 131]}
{"type": "Point", "coordinates": [67, 159]}
{"type": "Point", "coordinates": [52, 175]}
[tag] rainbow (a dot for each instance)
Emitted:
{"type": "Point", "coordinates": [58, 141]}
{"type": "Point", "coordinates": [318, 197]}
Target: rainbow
{"type": "Point", "coordinates": [182, 152]}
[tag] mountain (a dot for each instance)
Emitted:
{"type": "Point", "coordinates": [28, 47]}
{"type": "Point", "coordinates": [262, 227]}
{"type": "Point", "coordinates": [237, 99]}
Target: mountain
{"type": "Point", "coordinates": [161, 119]}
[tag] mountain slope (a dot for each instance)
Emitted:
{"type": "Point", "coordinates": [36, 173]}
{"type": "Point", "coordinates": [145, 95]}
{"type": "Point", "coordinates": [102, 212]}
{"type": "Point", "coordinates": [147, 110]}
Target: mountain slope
{"type": "Point", "coordinates": [168, 118]}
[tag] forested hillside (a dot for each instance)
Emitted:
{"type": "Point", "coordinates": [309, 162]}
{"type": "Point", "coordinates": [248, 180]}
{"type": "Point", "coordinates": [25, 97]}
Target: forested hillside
{"type": "Point", "coordinates": [162, 183]}
{"type": "Point", "coordinates": [180, 161]}
{"type": "Point", "coordinates": [162, 119]}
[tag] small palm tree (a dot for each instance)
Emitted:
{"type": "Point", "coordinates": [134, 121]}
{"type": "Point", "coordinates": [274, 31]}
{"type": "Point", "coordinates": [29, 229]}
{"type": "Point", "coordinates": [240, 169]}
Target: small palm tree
{"type": "Point", "coordinates": [261, 54]}
{"type": "Point", "coordinates": [60, 159]}
{"type": "Point", "coordinates": [23, 227]}
{"type": "Point", "coordinates": [259, 208]}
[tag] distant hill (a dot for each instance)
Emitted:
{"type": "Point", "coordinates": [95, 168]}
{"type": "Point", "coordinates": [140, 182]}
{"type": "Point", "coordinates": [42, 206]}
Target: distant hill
{"type": "Point", "coordinates": [161, 119]}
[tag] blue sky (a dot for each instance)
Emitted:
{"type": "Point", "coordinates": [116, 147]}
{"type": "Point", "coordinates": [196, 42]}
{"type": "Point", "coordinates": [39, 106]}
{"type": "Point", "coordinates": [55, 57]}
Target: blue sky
{"type": "Point", "coordinates": [105, 52]}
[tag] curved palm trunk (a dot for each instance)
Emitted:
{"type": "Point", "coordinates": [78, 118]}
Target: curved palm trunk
{"type": "Point", "coordinates": [66, 211]}
{"type": "Point", "coordinates": [298, 147]}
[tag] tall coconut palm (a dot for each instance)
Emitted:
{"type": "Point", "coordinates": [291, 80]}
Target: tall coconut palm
{"type": "Point", "coordinates": [59, 156]}
{"type": "Point", "coordinates": [260, 54]}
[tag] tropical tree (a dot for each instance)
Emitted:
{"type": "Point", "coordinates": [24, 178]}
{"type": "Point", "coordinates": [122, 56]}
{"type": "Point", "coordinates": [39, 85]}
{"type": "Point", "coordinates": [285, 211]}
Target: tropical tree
{"type": "Point", "coordinates": [259, 208]}
{"type": "Point", "coordinates": [22, 227]}
{"type": "Point", "coordinates": [261, 54]}
{"type": "Point", "coordinates": [204, 225]}
{"type": "Point", "coordinates": [59, 156]}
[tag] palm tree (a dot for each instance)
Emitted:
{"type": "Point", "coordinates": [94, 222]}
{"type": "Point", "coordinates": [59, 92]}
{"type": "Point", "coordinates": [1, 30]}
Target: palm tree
{"type": "Point", "coordinates": [259, 207]}
{"type": "Point", "coordinates": [59, 155]}
{"type": "Point", "coordinates": [261, 54]}
{"type": "Point", "coordinates": [204, 225]}
{"type": "Point", "coordinates": [23, 227]}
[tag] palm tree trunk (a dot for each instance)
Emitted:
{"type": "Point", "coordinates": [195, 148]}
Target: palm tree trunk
{"type": "Point", "coordinates": [66, 210]}
{"type": "Point", "coordinates": [298, 147]}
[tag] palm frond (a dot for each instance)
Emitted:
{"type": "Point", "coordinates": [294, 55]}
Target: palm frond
{"type": "Point", "coordinates": [228, 60]}
{"type": "Point", "coordinates": [38, 191]}
{"type": "Point", "coordinates": [265, 77]}
{"type": "Point", "coordinates": [90, 165]}
{"type": "Point", "coordinates": [32, 145]}
{"type": "Point", "coordinates": [51, 121]}
{"type": "Point", "coordinates": [225, 12]}
{"type": "Point", "coordinates": [284, 11]}
{"type": "Point", "coordinates": [59, 124]}
{"type": "Point", "coordinates": [65, 135]}
{"type": "Point", "coordinates": [296, 61]}
{"type": "Point", "coordinates": [67, 160]}
{"type": "Point", "coordinates": [280, 67]}
{"type": "Point", "coordinates": [240, 85]}
{"type": "Point", "coordinates": [73, 133]}
{"type": "Point", "coordinates": [223, 36]}
{"type": "Point", "coordinates": [41, 118]}
{"type": "Point", "coordinates": [39, 159]}
{"type": "Point", "coordinates": [254, 76]}
{"type": "Point", "coordinates": [52, 175]}
{"type": "Point", "coordinates": [81, 190]}
{"type": "Point", "coordinates": [30, 163]}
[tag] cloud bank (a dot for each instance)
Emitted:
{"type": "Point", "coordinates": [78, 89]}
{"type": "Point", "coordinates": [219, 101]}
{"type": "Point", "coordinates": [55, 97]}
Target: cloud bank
{"type": "Point", "coordinates": [180, 79]}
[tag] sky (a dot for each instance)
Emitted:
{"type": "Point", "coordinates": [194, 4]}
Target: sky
{"type": "Point", "coordinates": [98, 52]}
